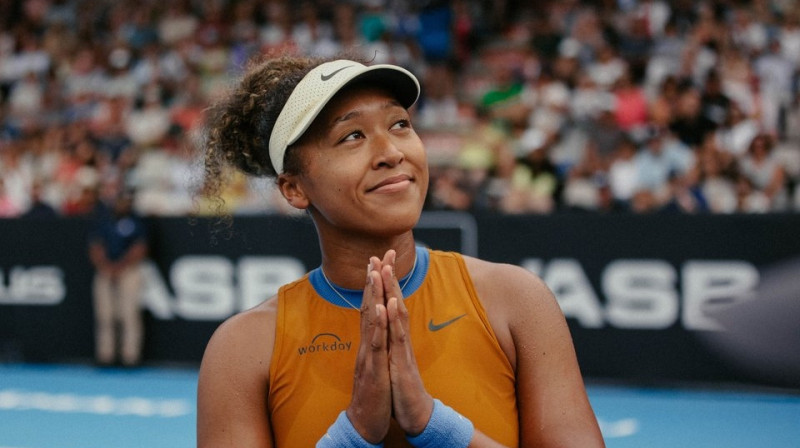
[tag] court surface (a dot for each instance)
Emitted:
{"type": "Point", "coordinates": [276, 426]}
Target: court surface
{"type": "Point", "coordinates": [68, 406]}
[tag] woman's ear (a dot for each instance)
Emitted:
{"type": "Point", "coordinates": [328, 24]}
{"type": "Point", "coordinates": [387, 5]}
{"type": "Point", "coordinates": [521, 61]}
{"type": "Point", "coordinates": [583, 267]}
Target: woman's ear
{"type": "Point", "coordinates": [292, 190]}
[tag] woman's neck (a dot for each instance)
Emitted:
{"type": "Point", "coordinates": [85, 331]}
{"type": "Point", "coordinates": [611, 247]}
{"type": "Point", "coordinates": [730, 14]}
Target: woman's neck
{"type": "Point", "coordinates": [345, 260]}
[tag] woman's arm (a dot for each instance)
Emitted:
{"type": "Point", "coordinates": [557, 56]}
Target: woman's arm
{"type": "Point", "coordinates": [233, 382]}
{"type": "Point", "coordinates": [554, 410]}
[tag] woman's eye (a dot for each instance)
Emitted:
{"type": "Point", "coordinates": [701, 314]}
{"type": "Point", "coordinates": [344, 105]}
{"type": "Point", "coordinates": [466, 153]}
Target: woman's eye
{"type": "Point", "coordinates": [352, 136]}
{"type": "Point", "coordinates": [402, 124]}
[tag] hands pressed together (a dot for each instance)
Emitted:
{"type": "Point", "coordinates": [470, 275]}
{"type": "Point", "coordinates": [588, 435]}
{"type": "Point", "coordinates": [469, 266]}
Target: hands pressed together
{"type": "Point", "coordinates": [387, 380]}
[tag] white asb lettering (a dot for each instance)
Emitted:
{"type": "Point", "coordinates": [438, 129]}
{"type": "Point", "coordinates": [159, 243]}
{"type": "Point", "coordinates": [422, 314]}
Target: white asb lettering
{"type": "Point", "coordinates": [203, 287]}
{"type": "Point", "coordinates": [636, 294]}
{"type": "Point", "coordinates": [260, 277]}
{"type": "Point", "coordinates": [36, 285]}
{"type": "Point", "coordinates": [640, 294]}
{"type": "Point", "coordinates": [644, 294]}
{"type": "Point", "coordinates": [214, 287]}
{"type": "Point", "coordinates": [709, 286]}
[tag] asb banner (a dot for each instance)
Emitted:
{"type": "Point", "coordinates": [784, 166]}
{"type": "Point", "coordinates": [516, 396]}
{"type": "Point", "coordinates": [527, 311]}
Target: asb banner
{"type": "Point", "coordinates": [647, 297]}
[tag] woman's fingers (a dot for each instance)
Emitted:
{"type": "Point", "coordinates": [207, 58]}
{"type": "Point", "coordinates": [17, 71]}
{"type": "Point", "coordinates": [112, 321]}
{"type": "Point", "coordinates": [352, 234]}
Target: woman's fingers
{"type": "Point", "coordinates": [370, 406]}
{"type": "Point", "coordinates": [373, 293]}
{"type": "Point", "coordinates": [411, 403]}
{"type": "Point", "coordinates": [391, 287]}
{"type": "Point", "coordinates": [397, 318]}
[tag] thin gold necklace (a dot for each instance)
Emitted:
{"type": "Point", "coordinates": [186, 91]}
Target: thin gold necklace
{"type": "Point", "coordinates": [341, 296]}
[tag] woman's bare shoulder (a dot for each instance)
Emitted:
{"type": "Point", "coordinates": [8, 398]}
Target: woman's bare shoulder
{"type": "Point", "coordinates": [500, 279]}
{"type": "Point", "coordinates": [516, 301]}
{"type": "Point", "coordinates": [233, 382]}
{"type": "Point", "coordinates": [245, 337]}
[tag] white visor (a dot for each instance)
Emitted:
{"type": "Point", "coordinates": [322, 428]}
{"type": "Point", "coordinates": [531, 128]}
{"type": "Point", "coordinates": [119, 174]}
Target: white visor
{"type": "Point", "coordinates": [314, 91]}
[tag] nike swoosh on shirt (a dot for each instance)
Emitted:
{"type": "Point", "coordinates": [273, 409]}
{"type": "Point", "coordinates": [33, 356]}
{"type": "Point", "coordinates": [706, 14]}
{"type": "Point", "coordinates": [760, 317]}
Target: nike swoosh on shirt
{"type": "Point", "coordinates": [437, 327]}
{"type": "Point", "coordinates": [330, 75]}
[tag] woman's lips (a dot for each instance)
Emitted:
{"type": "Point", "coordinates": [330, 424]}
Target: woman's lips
{"type": "Point", "coordinates": [392, 184]}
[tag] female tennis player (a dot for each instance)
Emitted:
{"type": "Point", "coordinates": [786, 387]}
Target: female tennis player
{"type": "Point", "coordinates": [386, 343]}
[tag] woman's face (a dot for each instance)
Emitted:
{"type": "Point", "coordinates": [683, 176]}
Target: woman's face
{"type": "Point", "coordinates": [363, 166]}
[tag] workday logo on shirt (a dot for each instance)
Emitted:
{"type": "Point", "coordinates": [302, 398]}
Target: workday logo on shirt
{"type": "Point", "coordinates": [325, 343]}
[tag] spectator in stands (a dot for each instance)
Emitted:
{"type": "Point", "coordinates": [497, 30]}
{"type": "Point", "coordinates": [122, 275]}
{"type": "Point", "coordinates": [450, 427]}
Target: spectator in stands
{"type": "Point", "coordinates": [82, 201]}
{"type": "Point", "coordinates": [485, 162]}
{"type": "Point", "coordinates": [451, 190]}
{"type": "Point", "coordinates": [630, 104]}
{"type": "Point", "coordinates": [503, 98]}
{"type": "Point", "coordinates": [608, 67]}
{"type": "Point", "coordinates": [177, 22]}
{"type": "Point", "coordinates": [684, 194]}
{"type": "Point", "coordinates": [661, 161]}
{"type": "Point", "coordinates": [314, 31]}
{"type": "Point", "coordinates": [83, 64]}
{"type": "Point", "coordinates": [534, 184]}
{"type": "Point", "coordinates": [765, 173]}
{"type": "Point", "coordinates": [117, 248]}
{"type": "Point", "coordinates": [604, 136]}
{"type": "Point", "coordinates": [736, 79]}
{"type": "Point", "coordinates": [776, 75]}
{"type": "Point", "coordinates": [149, 121]}
{"type": "Point", "coordinates": [716, 176]}
{"type": "Point", "coordinates": [749, 198]}
{"type": "Point", "coordinates": [689, 125]}
{"type": "Point", "coordinates": [108, 124]}
{"type": "Point", "coordinates": [714, 103]}
{"type": "Point", "coordinates": [26, 100]}
{"type": "Point", "coordinates": [435, 35]}
{"type": "Point", "coordinates": [736, 134]}
{"type": "Point", "coordinates": [789, 35]}
{"type": "Point", "coordinates": [588, 101]}
{"type": "Point", "coordinates": [623, 174]}
{"type": "Point", "coordinates": [636, 40]}
{"type": "Point", "coordinates": [77, 172]}
{"type": "Point", "coordinates": [747, 31]}
{"type": "Point", "coordinates": [440, 108]}
{"type": "Point", "coordinates": [8, 208]}
{"type": "Point", "coordinates": [39, 208]}
{"type": "Point", "coordinates": [276, 34]}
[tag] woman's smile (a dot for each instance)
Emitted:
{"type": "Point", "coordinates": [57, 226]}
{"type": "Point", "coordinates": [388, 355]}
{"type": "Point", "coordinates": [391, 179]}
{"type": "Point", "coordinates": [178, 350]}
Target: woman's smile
{"type": "Point", "coordinates": [392, 184]}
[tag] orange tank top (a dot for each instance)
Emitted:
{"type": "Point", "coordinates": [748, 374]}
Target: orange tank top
{"type": "Point", "coordinates": [459, 357]}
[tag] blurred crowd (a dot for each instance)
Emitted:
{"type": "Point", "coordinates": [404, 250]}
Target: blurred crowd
{"type": "Point", "coordinates": [688, 106]}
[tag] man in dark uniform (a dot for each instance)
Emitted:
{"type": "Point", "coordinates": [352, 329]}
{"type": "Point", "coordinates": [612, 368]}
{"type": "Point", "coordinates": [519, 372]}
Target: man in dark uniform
{"type": "Point", "coordinates": [117, 246]}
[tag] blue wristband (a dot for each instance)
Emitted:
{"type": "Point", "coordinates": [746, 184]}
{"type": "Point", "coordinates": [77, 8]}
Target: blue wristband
{"type": "Point", "coordinates": [445, 429]}
{"type": "Point", "coordinates": [342, 434]}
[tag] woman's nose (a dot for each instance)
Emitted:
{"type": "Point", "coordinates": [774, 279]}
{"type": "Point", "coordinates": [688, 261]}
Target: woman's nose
{"type": "Point", "coordinates": [387, 153]}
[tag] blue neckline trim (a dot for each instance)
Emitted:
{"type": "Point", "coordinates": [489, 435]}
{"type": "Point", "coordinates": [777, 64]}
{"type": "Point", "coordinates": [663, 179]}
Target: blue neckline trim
{"type": "Point", "coordinates": [354, 295]}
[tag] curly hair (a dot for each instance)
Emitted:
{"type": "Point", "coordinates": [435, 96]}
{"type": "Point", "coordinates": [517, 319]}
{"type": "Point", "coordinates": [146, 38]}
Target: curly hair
{"type": "Point", "coordinates": [239, 125]}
